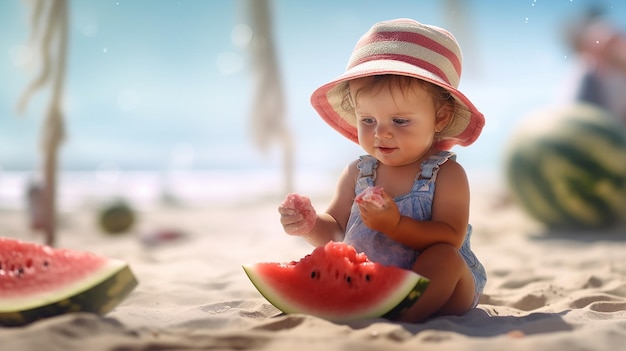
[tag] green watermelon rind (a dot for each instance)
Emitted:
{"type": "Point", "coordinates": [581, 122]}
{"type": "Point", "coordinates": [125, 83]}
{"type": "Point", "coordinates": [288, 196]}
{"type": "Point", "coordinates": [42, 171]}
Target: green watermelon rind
{"type": "Point", "coordinates": [409, 300]}
{"type": "Point", "coordinates": [99, 293]}
{"type": "Point", "coordinates": [563, 180]}
{"type": "Point", "coordinates": [398, 300]}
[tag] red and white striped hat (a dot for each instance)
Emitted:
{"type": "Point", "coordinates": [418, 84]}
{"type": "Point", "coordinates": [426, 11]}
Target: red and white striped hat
{"type": "Point", "coordinates": [409, 48]}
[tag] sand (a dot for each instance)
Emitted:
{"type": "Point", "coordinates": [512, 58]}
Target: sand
{"type": "Point", "coordinates": [546, 290]}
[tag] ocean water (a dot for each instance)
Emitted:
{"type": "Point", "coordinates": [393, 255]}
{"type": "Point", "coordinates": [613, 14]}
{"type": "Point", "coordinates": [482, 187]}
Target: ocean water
{"type": "Point", "coordinates": [158, 94]}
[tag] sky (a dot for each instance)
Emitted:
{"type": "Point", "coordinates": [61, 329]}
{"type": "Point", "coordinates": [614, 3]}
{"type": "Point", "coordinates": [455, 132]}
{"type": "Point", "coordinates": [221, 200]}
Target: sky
{"type": "Point", "coordinates": [154, 84]}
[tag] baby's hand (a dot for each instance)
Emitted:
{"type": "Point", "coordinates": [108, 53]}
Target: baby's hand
{"type": "Point", "coordinates": [297, 215]}
{"type": "Point", "coordinates": [378, 210]}
{"type": "Point", "coordinates": [371, 194]}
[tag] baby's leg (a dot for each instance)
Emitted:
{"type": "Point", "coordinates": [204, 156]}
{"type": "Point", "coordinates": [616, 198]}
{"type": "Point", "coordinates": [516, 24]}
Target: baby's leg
{"type": "Point", "coordinates": [451, 288]}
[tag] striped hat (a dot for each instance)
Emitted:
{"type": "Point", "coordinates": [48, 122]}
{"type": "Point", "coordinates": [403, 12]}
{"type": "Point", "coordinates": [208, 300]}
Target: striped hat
{"type": "Point", "coordinates": [409, 48]}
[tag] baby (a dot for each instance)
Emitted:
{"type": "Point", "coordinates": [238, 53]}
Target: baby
{"type": "Point", "coordinates": [406, 201]}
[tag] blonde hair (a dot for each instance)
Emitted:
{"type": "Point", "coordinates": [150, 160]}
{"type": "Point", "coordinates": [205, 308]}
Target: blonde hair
{"type": "Point", "coordinates": [441, 96]}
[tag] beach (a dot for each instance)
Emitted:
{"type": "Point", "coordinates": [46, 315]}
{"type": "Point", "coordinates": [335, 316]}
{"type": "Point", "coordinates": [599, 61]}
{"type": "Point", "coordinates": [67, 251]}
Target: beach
{"type": "Point", "coordinates": [157, 106]}
{"type": "Point", "coordinates": [545, 290]}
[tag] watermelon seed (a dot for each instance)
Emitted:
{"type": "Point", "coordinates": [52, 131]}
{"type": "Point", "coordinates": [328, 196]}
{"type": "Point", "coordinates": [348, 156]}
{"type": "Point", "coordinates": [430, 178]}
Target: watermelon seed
{"type": "Point", "coordinates": [348, 279]}
{"type": "Point", "coordinates": [315, 274]}
{"type": "Point", "coordinates": [367, 277]}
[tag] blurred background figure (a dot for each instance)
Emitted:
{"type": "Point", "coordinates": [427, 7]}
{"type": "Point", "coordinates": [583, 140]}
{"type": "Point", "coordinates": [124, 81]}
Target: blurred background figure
{"type": "Point", "coordinates": [566, 164]}
{"type": "Point", "coordinates": [268, 104]}
{"type": "Point", "coordinates": [601, 49]}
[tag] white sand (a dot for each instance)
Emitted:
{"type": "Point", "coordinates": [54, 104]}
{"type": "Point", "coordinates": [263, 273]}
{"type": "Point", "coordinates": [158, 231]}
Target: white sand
{"type": "Point", "coordinates": [546, 291]}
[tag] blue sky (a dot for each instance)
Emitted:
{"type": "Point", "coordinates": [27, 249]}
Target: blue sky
{"type": "Point", "coordinates": [154, 82]}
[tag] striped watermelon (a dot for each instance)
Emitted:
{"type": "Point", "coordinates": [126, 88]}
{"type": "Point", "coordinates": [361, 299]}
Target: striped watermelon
{"type": "Point", "coordinates": [566, 167]}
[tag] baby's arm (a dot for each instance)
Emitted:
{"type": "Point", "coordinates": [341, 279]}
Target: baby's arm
{"type": "Point", "coordinates": [298, 216]}
{"type": "Point", "coordinates": [449, 219]}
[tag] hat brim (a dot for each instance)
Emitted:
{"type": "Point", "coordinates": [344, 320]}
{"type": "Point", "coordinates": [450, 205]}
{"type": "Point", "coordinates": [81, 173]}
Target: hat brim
{"type": "Point", "coordinates": [327, 101]}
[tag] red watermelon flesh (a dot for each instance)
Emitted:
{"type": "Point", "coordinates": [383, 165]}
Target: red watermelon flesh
{"type": "Point", "coordinates": [337, 283]}
{"type": "Point", "coordinates": [302, 205]}
{"type": "Point", "coordinates": [372, 194]}
{"type": "Point", "coordinates": [38, 281]}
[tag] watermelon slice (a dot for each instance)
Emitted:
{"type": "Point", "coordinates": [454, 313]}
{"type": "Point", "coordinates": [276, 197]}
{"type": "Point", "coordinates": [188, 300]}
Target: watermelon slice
{"type": "Point", "coordinates": [336, 283]}
{"type": "Point", "coordinates": [37, 281]}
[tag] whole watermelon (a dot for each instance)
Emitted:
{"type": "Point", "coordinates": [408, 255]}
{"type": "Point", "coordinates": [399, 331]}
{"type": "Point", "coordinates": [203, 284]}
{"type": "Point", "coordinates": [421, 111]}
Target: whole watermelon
{"type": "Point", "coordinates": [566, 167]}
{"type": "Point", "coordinates": [116, 218]}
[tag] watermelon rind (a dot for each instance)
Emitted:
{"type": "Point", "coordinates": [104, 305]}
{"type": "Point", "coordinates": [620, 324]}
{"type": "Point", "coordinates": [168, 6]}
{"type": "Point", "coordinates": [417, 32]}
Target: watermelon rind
{"type": "Point", "coordinates": [409, 299]}
{"type": "Point", "coordinates": [98, 293]}
{"type": "Point", "coordinates": [397, 301]}
{"type": "Point", "coordinates": [566, 167]}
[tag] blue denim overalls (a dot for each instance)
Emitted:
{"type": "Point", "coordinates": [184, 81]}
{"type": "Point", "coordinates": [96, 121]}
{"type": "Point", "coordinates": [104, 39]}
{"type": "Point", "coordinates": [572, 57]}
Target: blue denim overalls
{"type": "Point", "coordinates": [416, 204]}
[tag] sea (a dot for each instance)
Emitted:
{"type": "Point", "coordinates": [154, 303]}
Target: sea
{"type": "Point", "coordinates": [158, 95]}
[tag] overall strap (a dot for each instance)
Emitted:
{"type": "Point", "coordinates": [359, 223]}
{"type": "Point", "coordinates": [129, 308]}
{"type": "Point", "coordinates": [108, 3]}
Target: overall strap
{"type": "Point", "coordinates": [367, 172]}
{"type": "Point", "coordinates": [367, 166]}
{"type": "Point", "coordinates": [430, 167]}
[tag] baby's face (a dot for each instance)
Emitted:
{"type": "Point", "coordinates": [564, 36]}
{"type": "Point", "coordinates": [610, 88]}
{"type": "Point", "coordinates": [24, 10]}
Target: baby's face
{"type": "Point", "coordinates": [396, 127]}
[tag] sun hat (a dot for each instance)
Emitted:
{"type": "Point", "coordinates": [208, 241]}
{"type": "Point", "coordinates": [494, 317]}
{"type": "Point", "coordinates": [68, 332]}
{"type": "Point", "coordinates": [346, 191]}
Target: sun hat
{"type": "Point", "coordinates": [409, 48]}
